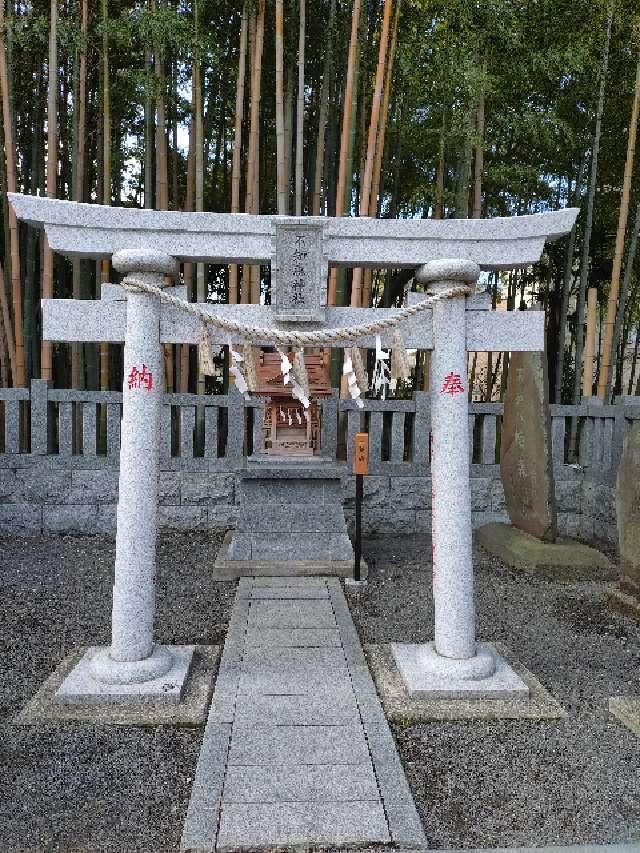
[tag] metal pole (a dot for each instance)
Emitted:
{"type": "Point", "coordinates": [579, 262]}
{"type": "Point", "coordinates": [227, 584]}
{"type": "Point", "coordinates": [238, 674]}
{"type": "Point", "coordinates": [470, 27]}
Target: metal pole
{"type": "Point", "coordinates": [360, 468]}
{"type": "Point", "coordinates": [358, 543]}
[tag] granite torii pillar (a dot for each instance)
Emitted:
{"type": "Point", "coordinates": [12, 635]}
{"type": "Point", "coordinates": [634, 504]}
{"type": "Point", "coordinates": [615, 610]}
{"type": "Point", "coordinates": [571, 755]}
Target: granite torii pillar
{"type": "Point", "coordinates": [134, 665]}
{"type": "Point", "coordinates": [133, 656]}
{"type": "Point", "coordinates": [453, 664]}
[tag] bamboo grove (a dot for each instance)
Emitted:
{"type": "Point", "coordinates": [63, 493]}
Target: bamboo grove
{"type": "Point", "coordinates": [389, 108]}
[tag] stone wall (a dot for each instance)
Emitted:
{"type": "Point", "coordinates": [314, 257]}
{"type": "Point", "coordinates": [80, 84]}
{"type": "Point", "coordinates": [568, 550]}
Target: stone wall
{"type": "Point", "coordinates": [43, 497]}
{"type": "Point", "coordinates": [48, 495]}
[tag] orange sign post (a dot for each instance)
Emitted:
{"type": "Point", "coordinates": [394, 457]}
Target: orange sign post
{"type": "Point", "coordinates": [361, 453]}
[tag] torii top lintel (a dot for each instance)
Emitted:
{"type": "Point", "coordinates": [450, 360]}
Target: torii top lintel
{"type": "Point", "coordinates": [97, 231]}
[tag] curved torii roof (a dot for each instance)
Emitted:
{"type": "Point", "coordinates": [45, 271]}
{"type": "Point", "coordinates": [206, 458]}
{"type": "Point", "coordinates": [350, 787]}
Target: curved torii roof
{"type": "Point", "coordinates": [97, 231]}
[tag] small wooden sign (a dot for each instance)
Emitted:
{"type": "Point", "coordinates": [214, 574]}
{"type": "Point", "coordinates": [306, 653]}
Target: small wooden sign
{"type": "Point", "coordinates": [361, 453]}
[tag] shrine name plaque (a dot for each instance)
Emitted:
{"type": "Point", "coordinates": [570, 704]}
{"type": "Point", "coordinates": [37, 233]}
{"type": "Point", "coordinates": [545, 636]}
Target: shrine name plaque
{"type": "Point", "coordinates": [299, 287]}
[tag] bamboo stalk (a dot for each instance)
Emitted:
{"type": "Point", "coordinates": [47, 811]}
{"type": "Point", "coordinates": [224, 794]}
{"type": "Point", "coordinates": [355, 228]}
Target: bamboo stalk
{"type": "Point", "coordinates": [245, 295]}
{"type": "Point", "coordinates": [255, 130]}
{"type": "Point", "coordinates": [604, 383]}
{"type": "Point", "coordinates": [323, 114]}
{"type": "Point", "coordinates": [620, 315]}
{"type": "Point", "coordinates": [347, 118]}
{"type": "Point", "coordinates": [77, 350]}
{"type": "Point", "coordinates": [280, 135]}
{"type": "Point", "coordinates": [590, 342]}
{"type": "Point", "coordinates": [439, 205]}
{"type": "Point", "coordinates": [384, 113]}
{"type": "Point", "coordinates": [365, 194]}
{"type": "Point", "coordinates": [11, 339]}
{"type": "Point", "coordinates": [586, 240]}
{"type": "Point", "coordinates": [377, 165]}
{"type": "Point", "coordinates": [237, 145]}
{"type": "Point", "coordinates": [479, 152]}
{"type": "Point", "coordinates": [300, 113]}
{"type": "Point", "coordinates": [46, 369]}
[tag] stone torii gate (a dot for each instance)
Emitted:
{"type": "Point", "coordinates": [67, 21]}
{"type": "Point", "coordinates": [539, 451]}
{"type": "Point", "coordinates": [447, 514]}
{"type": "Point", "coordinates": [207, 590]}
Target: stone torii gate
{"type": "Point", "coordinates": [147, 245]}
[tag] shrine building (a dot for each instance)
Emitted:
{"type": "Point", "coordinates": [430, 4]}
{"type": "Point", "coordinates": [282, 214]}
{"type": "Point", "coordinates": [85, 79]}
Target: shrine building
{"type": "Point", "coordinates": [289, 429]}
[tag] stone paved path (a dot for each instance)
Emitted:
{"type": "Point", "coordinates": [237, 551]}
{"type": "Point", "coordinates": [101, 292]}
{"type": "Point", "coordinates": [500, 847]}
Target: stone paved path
{"type": "Point", "coordinates": [296, 749]}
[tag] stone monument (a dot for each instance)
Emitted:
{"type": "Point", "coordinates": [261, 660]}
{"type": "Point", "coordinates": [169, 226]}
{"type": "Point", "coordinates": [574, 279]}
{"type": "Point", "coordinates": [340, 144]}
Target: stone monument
{"type": "Point", "coordinates": [526, 467]}
{"type": "Point", "coordinates": [526, 463]}
{"type": "Point", "coordinates": [448, 256]}
{"type": "Point", "coordinates": [628, 513]}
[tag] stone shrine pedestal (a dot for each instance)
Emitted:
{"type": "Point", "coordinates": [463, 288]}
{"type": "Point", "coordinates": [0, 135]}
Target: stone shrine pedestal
{"type": "Point", "coordinates": [291, 520]}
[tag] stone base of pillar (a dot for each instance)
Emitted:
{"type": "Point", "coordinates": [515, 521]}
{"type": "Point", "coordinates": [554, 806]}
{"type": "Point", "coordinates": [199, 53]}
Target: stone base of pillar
{"type": "Point", "coordinates": [98, 678]}
{"type": "Point", "coordinates": [426, 674]}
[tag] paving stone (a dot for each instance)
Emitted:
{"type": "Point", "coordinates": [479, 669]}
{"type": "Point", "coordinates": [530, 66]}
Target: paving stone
{"type": "Point", "coordinates": [264, 659]}
{"type": "Point", "coordinates": [322, 709]}
{"type": "Point", "coordinates": [311, 759]}
{"type": "Point", "coordinates": [281, 593]}
{"type": "Point", "coordinates": [315, 589]}
{"type": "Point", "coordinates": [293, 637]}
{"type": "Point", "coordinates": [405, 825]}
{"type": "Point", "coordinates": [306, 783]}
{"type": "Point", "coordinates": [298, 680]}
{"type": "Point", "coordinates": [201, 822]}
{"type": "Point", "coordinates": [291, 614]}
{"type": "Point", "coordinates": [252, 745]}
{"type": "Point", "coordinates": [286, 581]}
{"type": "Point", "coordinates": [265, 824]}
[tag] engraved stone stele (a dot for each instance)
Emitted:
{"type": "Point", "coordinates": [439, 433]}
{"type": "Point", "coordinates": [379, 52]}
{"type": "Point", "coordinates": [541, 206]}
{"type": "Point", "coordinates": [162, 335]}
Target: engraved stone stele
{"type": "Point", "coordinates": [525, 447]}
{"type": "Point", "coordinates": [299, 274]}
{"type": "Point", "coordinates": [628, 511]}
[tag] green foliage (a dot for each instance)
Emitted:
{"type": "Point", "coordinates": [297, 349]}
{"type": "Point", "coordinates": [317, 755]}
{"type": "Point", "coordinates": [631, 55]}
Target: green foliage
{"type": "Point", "coordinates": [537, 64]}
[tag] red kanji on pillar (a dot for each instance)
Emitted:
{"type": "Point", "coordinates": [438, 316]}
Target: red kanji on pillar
{"type": "Point", "coordinates": [140, 378]}
{"type": "Point", "coordinates": [452, 384]}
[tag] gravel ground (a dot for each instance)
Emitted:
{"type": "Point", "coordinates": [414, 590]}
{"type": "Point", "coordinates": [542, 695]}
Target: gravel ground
{"type": "Point", "coordinates": [509, 783]}
{"type": "Point", "coordinates": [477, 784]}
{"type": "Point", "coordinates": [75, 787]}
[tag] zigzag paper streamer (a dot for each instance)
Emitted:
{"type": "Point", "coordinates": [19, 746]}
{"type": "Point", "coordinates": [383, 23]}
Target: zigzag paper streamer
{"type": "Point", "coordinates": [300, 372]}
{"type": "Point", "coordinates": [352, 381]}
{"type": "Point", "coordinates": [206, 356]}
{"type": "Point", "coordinates": [250, 371]}
{"type": "Point", "coordinates": [289, 373]}
{"type": "Point", "coordinates": [358, 369]}
{"type": "Point", "coordinates": [400, 367]}
{"type": "Point", "coordinates": [235, 362]}
{"type": "Point", "coordinates": [381, 370]}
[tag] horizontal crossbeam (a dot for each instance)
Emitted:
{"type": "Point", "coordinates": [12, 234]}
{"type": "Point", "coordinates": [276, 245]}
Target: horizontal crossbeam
{"type": "Point", "coordinates": [105, 321]}
{"type": "Point", "coordinates": [97, 231]}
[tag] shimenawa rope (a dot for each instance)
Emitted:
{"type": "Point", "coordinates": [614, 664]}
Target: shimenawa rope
{"type": "Point", "coordinates": [319, 337]}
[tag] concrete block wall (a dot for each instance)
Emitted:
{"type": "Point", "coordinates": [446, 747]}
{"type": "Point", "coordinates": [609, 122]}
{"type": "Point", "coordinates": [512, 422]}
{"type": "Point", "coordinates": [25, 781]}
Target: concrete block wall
{"type": "Point", "coordinates": [46, 494]}
{"type": "Point", "coordinates": [43, 497]}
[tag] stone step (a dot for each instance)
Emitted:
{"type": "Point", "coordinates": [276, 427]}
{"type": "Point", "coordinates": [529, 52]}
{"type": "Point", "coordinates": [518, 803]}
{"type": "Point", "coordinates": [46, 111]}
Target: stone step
{"type": "Point", "coordinates": [290, 546]}
{"type": "Point", "coordinates": [271, 491]}
{"type": "Point", "coordinates": [295, 518]}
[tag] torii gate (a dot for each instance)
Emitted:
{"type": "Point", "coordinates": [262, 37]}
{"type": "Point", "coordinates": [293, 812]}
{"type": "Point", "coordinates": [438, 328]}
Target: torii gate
{"type": "Point", "coordinates": [150, 244]}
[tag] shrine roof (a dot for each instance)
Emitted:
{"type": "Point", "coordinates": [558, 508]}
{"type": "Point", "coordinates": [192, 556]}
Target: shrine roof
{"type": "Point", "coordinates": [271, 381]}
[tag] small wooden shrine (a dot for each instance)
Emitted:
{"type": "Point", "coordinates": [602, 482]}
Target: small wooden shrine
{"type": "Point", "coordinates": [289, 429]}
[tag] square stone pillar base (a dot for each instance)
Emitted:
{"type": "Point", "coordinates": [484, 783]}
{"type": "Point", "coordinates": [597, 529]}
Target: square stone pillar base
{"type": "Point", "coordinates": [429, 675]}
{"type": "Point", "coordinates": [81, 686]}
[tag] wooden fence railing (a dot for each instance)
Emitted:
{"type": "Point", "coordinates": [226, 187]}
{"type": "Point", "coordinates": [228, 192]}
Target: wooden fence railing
{"type": "Point", "coordinates": [83, 427]}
